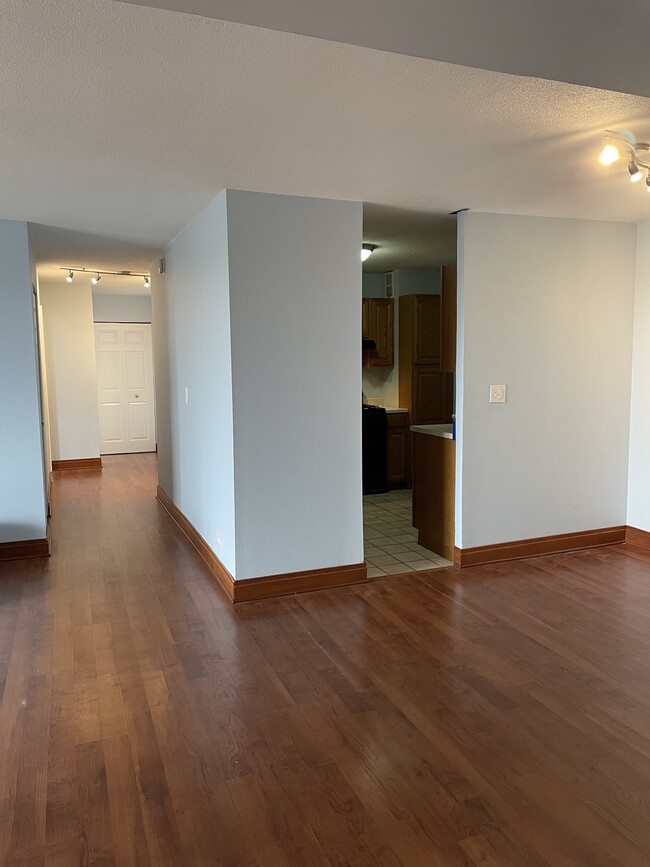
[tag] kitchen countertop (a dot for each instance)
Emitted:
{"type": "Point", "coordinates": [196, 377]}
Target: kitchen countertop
{"type": "Point", "coordinates": [390, 409]}
{"type": "Point", "coordinates": [434, 430]}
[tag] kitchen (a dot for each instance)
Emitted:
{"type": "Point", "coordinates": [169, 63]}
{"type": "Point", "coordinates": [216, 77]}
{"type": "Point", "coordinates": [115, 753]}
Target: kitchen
{"type": "Point", "coordinates": [409, 355]}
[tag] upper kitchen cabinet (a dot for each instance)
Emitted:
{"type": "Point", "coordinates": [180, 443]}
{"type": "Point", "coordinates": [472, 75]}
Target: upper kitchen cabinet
{"type": "Point", "coordinates": [427, 353]}
{"type": "Point", "coordinates": [448, 330]}
{"type": "Point", "coordinates": [377, 324]}
{"type": "Point", "coordinates": [420, 329]}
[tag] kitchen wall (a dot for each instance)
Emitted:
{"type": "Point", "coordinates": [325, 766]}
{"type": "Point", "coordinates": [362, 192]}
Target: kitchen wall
{"type": "Point", "coordinates": [546, 307]}
{"type": "Point", "coordinates": [192, 349]}
{"type": "Point", "coordinates": [381, 384]}
{"type": "Point", "coordinates": [69, 341]}
{"type": "Point", "coordinates": [639, 466]}
{"type": "Point", "coordinates": [22, 477]}
{"type": "Point", "coordinates": [122, 308]}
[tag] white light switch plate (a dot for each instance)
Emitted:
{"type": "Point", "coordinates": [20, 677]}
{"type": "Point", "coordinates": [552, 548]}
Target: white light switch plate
{"type": "Point", "coordinates": [497, 394]}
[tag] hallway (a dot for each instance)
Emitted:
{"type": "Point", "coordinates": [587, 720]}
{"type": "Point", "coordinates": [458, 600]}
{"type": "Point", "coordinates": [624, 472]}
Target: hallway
{"type": "Point", "coordinates": [497, 716]}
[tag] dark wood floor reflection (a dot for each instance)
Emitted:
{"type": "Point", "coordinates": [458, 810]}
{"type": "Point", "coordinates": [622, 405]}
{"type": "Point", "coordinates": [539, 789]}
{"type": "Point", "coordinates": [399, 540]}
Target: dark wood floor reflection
{"type": "Point", "coordinates": [496, 717]}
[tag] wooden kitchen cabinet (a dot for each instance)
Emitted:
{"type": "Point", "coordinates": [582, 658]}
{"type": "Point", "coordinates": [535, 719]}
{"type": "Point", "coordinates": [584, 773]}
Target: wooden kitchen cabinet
{"type": "Point", "coordinates": [428, 404]}
{"type": "Point", "coordinates": [397, 448]}
{"type": "Point", "coordinates": [448, 319]}
{"type": "Point", "coordinates": [377, 323]}
{"type": "Point", "coordinates": [434, 492]}
{"type": "Point", "coordinates": [425, 383]}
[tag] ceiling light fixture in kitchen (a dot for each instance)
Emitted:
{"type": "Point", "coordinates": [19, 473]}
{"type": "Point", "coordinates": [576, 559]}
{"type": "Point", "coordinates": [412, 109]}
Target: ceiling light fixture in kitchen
{"type": "Point", "coordinates": [367, 251]}
{"type": "Point", "coordinates": [70, 276]}
{"type": "Point", "coordinates": [638, 153]}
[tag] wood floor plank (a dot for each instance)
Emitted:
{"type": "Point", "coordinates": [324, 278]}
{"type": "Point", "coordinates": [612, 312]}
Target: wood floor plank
{"type": "Point", "coordinates": [493, 716]}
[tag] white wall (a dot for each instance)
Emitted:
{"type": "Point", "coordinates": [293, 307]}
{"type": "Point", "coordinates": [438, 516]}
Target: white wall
{"type": "Point", "coordinates": [22, 477]}
{"type": "Point", "coordinates": [639, 467]}
{"type": "Point", "coordinates": [71, 371]}
{"type": "Point", "coordinates": [546, 307]}
{"type": "Point", "coordinates": [192, 349]}
{"type": "Point", "coordinates": [122, 308]}
{"type": "Point", "coordinates": [295, 296]}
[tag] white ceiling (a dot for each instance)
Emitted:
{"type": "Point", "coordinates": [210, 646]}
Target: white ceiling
{"type": "Point", "coordinates": [123, 122]}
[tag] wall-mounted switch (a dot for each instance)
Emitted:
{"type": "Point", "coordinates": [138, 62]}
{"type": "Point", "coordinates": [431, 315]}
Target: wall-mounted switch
{"type": "Point", "coordinates": [187, 395]}
{"type": "Point", "coordinates": [497, 394]}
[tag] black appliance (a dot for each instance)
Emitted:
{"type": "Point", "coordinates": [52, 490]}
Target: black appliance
{"type": "Point", "coordinates": [374, 429]}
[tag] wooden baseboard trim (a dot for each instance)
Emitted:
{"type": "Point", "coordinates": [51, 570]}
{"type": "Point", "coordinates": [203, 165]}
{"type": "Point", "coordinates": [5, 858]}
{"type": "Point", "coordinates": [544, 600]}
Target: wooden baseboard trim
{"type": "Point", "coordinates": [214, 564]}
{"type": "Point", "coordinates": [291, 583]}
{"type": "Point", "coordinates": [77, 464]}
{"type": "Point", "coordinates": [25, 548]}
{"type": "Point", "coordinates": [266, 586]}
{"type": "Point", "coordinates": [540, 546]}
{"type": "Point", "coordinates": [640, 538]}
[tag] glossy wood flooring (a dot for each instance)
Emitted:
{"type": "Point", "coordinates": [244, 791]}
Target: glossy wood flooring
{"type": "Point", "coordinates": [498, 716]}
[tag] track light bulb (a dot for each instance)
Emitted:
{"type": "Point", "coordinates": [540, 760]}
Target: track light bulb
{"type": "Point", "coordinates": [609, 153]}
{"type": "Point", "coordinates": [70, 277]}
{"type": "Point", "coordinates": [647, 181]}
{"type": "Point", "coordinates": [96, 279]}
{"type": "Point", "coordinates": [147, 283]}
{"type": "Point", "coordinates": [635, 172]}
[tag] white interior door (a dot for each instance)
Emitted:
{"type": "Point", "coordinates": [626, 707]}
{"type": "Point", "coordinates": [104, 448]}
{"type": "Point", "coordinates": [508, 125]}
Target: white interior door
{"type": "Point", "coordinates": [125, 388]}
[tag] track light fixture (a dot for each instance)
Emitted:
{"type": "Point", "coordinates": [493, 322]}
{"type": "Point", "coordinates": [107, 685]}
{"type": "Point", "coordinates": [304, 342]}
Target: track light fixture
{"type": "Point", "coordinates": [638, 154]}
{"type": "Point", "coordinates": [98, 275]}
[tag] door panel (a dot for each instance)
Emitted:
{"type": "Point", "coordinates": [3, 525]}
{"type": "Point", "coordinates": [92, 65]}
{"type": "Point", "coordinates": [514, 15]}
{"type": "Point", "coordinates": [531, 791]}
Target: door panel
{"type": "Point", "coordinates": [135, 370]}
{"type": "Point", "coordinates": [427, 334]}
{"type": "Point", "coordinates": [138, 426]}
{"type": "Point", "coordinates": [125, 388]}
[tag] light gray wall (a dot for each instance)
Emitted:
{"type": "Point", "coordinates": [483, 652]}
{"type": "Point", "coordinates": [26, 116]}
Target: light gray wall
{"type": "Point", "coordinates": [122, 308]}
{"type": "Point", "coordinates": [295, 295]}
{"type": "Point", "coordinates": [546, 307]}
{"type": "Point", "coordinates": [69, 340]}
{"type": "Point", "coordinates": [373, 285]}
{"type": "Point", "coordinates": [192, 349]}
{"type": "Point", "coordinates": [639, 467]}
{"type": "Point", "coordinates": [22, 476]}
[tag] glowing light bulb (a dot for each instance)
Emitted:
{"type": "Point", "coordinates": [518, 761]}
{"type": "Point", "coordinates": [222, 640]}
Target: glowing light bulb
{"type": "Point", "coordinates": [609, 154]}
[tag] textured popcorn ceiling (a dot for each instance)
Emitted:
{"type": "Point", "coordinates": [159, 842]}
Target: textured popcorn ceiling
{"type": "Point", "coordinates": [599, 43]}
{"type": "Point", "coordinates": [123, 121]}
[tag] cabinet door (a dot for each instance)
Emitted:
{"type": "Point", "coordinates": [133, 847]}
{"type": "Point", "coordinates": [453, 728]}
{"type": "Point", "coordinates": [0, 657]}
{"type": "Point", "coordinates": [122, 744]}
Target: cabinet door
{"type": "Point", "coordinates": [427, 330]}
{"type": "Point", "coordinates": [428, 396]}
{"type": "Point", "coordinates": [448, 327]}
{"type": "Point", "coordinates": [396, 454]}
{"type": "Point", "coordinates": [366, 319]}
{"type": "Point", "coordinates": [383, 332]}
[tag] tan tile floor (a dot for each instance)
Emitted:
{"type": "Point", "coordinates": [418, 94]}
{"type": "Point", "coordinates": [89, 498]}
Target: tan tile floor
{"type": "Point", "coordinates": [389, 538]}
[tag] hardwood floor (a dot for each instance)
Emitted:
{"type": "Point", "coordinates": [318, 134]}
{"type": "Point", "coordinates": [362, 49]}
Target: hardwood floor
{"type": "Point", "coordinates": [494, 716]}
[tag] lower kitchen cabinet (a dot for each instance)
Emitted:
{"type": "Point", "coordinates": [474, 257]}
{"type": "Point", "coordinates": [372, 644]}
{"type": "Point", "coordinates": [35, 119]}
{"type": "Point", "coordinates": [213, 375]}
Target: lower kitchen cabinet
{"type": "Point", "coordinates": [434, 492]}
{"type": "Point", "coordinates": [396, 452]}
